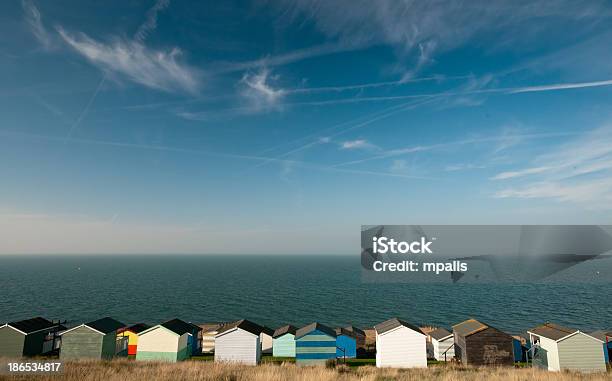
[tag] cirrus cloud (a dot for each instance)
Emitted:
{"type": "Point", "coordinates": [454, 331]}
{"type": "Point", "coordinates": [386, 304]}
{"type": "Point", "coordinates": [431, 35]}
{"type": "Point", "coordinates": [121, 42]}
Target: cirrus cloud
{"type": "Point", "coordinates": [156, 69]}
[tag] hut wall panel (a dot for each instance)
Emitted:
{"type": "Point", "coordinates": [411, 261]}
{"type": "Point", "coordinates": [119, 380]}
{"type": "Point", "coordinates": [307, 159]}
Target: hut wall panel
{"type": "Point", "coordinates": [132, 342]}
{"type": "Point", "coordinates": [349, 346]}
{"type": "Point", "coordinates": [33, 344]}
{"type": "Point", "coordinates": [11, 343]}
{"type": "Point", "coordinates": [581, 353]}
{"type": "Point", "coordinates": [158, 340]}
{"type": "Point", "coordinates": [284, 346]}
{"type": "Point", "coordinates": [81, 343]}
{"type": "Point", "coordinates": [266, 343]}
{"type": "Point", "coordinates": [208, 341]}
{"type": "Point", "coordinates": [401, 348]}
{"type": "Point", "coordinates": [490, 347]}
{"type": "Point", "coordinates": [440, 346]}
{"type": "Point", "coordinates": [460, 349]}
{"type": "Point", "coordinates": [315, 348]}
{"type": "Point", "coordinates": [238, 346]}
{"type": "Point", "coordinates": [547, 356]}
{"type": "Point", "coordinates": [109, 345]}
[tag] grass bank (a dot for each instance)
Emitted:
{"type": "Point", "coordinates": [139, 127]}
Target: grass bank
{"type": "Point", "coordinates": [126, 370]}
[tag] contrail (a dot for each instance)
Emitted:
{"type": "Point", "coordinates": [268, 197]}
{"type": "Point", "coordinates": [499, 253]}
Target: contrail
{"type": "Point", "coordinates": [86, 109]}
{"type": "Point", "coordinates": [561, 86]}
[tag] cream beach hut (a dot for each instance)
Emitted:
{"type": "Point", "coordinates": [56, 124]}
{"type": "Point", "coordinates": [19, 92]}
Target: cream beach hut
{"type": "Point", "coordinates": [168, 341]}
{"type": "Point", "coordinates": [266, 339]}
{"type": "Point", "coordinates": [400, 345]}
{"type": "Point", "coordinates": [559, 348]}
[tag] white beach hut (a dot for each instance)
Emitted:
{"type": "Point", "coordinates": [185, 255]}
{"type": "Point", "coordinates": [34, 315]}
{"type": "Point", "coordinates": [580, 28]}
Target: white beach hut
{"type": "Point", "coordinates": [400, 345]}
{"type": "Point", "coordinates": [443, 344]}
{"type": "Point", "coordinates": [239, 342]}
{"type": "Point", "coordinates": [558, 348]}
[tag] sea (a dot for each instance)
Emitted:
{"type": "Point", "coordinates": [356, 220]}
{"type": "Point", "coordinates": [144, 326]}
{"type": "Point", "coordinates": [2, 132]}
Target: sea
{"type": "Point", "coordinates": [274, 290]}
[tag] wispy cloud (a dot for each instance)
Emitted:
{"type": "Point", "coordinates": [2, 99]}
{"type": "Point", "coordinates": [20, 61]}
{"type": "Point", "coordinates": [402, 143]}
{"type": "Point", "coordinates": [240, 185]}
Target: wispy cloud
{"type": "Point", "coordinates": [520, 173]}
{"type": "Point", "coordinates": [469, 141]}
{"type": "Point", "coordinates": [161, 70]}
{"type": "Point", "coordinates": [597, 192]}
{"type": "Point", "coordinates": [578, 171]}
{"type": "Point", "coordinates": [425, 28]}
{"type": "Point", "coordinates": [259, 91]}
{"type": "Point", "coordinates": [356, 144]}
{"type": "Point", "coordinates": [34, 20]}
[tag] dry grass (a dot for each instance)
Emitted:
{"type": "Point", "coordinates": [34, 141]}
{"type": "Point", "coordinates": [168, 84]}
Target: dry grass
{"type": "Point", "coordinates": [122, 370]}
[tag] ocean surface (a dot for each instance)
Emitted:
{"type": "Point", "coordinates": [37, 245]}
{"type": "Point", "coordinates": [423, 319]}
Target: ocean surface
{"type": "Point", "coordinates": [276, 290]}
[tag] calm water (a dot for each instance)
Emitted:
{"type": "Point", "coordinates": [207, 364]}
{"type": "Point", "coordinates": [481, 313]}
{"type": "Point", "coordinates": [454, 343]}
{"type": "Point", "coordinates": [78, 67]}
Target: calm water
{"type": "Point", "coordinates": [274, 290]}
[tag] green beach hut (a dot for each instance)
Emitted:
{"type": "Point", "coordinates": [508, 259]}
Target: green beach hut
{"type": "Point", "coordinates": [29, 337]}
{"type": "Point", "coordinates": [283, 344]}
{"type": "Point", "coordinates": [93, 340]}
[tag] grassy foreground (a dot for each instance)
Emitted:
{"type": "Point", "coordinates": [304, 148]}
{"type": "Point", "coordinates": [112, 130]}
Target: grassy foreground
{"type": "Point", "coordinates": [122, 370]}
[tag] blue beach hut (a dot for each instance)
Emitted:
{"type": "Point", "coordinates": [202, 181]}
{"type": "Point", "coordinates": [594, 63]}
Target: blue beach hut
{"type": "Point", "coordinates": [346, 343]}
{"type": "Point", "coordinates": [315, 344]}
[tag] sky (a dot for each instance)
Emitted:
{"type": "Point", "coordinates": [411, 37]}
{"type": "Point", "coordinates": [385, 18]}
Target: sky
{"type": "Point", "coordinates": [281, 127]}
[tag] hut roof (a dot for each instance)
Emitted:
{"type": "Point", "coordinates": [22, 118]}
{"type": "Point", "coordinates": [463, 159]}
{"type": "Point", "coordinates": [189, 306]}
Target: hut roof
{"type": "Point", "coordinates": [602, 335]}
{"type": "Point", "coordinates": [355, 330]}
{"type": "Point", "coordinates": [469, 327]}
{"type": "Point", "coordinates": [179, 327]}
{"type": "Point", "coordinates": [33, 325]}
{"type": "Point", "coordinates": [267, 331]}
{"type": "Point", "coordinates": [552, 331]}
{"type": "Point", "coordinates": [314, 327]}
{"type": "Point", "coordinates": [394, 323]}
{"type": "Point", "coordinates": [343, 331]}
{"type": "Point", "coordinates": [136, 328]}
{"type": "Point", "coordinates": [212, 327]}
{"type": "Point", "coordinates": [440, 333]}
{"type": "Point", "coordinates": [284, 330]}
{"type": "Point", "coordinates": [105, 325]}
{"type": "Point", "coordinates": [243, 324]}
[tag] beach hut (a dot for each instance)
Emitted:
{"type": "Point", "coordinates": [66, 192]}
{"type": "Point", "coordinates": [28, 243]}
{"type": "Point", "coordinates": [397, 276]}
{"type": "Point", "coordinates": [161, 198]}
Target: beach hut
{"type": "Point", "coordinates": [283, 341]}
{"type": "Point", "coordinates": [131, 333]}
{"type": "Point", "coordinates": [194, 341]}
{"type": "Point", "coordinates": [168, 341]}
{"type": "Point", "coordinates": [93, 340]}
{"type": "Point", "coordinates": [370, 339]}
{"type": "Point", "coordinates": [360, 337]}
{"type": "Point", "coordinates": [315, 344]}
{"type": "Point", "coordinates": [29, 337]}
{"type": "Point", "coordinates": [442, 344]}
{"type": "Point", "coordinates": [266, 339]}
{"type": "Point", "coordinates": [477, 343]}
{"type": "Point", "coordinates": [346, 343]}
{"type": "Point", "coordinates": [559, 348]}
{"type": "Point", "coordinates": [400, 345]}
{"type": "Point", "coordinates": [521, 347]}
{"type": "Point", "coordinates": [239, 342]}
{"type": "Point", "coordinates": [606, 337]}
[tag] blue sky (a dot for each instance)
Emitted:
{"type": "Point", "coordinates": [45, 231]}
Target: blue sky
{"type": "Point", "coordinates": [282, 126]}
